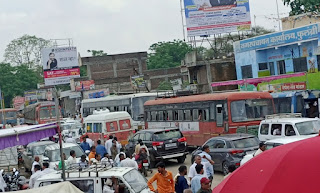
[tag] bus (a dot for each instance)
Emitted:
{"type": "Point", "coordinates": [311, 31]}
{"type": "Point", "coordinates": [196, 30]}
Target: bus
{"type": "Point", "coordinates": [132, 103]}
{"type": "Point", "coordinates": [201, 117]}
{"type": "Point", "coordinates": [10, 116]}
{"type": "Point", "coordinates": [305, 102]}
{"type": "Point", "coordinates": [39, 113]}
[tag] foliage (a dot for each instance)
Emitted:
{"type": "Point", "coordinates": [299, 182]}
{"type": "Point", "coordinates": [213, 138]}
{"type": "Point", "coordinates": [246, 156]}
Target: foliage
{"type": "Point", "coordinates": [97, 52]}
{"type": "Point", "coordinates": [25, 50]}
{"type": "Point", "coordinates": [167, 54]}
{"type": "Point", "coordinates": [14, 80]}
{"type": "Point", "coordinates": [83, 71]}
{"type": "Point", "coordinates": [303, 6]}
{"type": "Point", "coordinates": [165, 85]}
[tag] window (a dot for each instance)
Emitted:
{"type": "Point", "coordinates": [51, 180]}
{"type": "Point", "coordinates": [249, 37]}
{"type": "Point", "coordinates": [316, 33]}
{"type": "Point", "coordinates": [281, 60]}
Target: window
{"type": "Point", "coordinates": [308, 127]}
{"type": "Point", "coordinates": [276, 129]}
{"type": "Point", "coordinates": [187, 115]}
{"type": "Point", "coordinates": [160, 115]}
{"type": "Point", "coordinates": [300, 64]}
{"type": "Point", "coordinates": [206, 115]}
{"type": "Point", "coordinates": [97, 128]}
{"type": "Point", "coordinates": [271, 68]}
{"type": "Point", "coordinates": [89, 127]}
{"type": "Point", "coordinates": [149, 116]}
{"type": "Point", "coordinates": [246, 142]}
{"type": "Point", "coordinates": [282, 105]}
{"type": "Point", "coordinates": [246, 71]}
{"type": "Point", "coordinates": [212, 111]}
{"type": "Point", "coordinates": [148, 137]}
{"type": "Point", "coordinates": [170, 116]}
{"type": "Point", "coordinates": [219, 144]}
{"type": "Point", "coordinates": [153, 115]}
{"type": "Point", "coordinates": [211, 144]}
{"type": "Point", "coordinates": [195, 115]}
{"type": "Point", "coordinates": [181, 115]}
{"type": "Point", "coordinates": [166, 135]}
{"type": "Point", "coordinates": [86, 185]}
{"type": "Point", "coordinates": [289, 131]}
{"type": "Point", "coordinates": [264, 130]}
{"type": "Point", "coordinates": [136, 181]}
{"type": "Point", "coordinates": [281, 67]}
{"type": "Point", "coordinates": [263, 66]}
{"type": "Point", "coordinates": [142, 136]}
{"type": "Point", "coordinates": [136, 137]}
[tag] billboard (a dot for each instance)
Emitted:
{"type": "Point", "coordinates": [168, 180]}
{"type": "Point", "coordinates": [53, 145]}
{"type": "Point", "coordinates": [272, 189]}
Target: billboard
{"type": "Point", "coordinates": [206, 17]}
{"type": "Point", "coordinates": [18, 101]}
{"type": "Point", "coordinates": [138, 82]}
{"type": "Point", "coordinates": [96, 93]}
{"type": "Point", "coordinates": [60, 65]}
{"type": "Point", "coordinates": [84, 85]}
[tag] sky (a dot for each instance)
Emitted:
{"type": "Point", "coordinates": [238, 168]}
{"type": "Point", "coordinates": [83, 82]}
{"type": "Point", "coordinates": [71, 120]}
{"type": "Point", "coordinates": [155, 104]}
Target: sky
{"type": "Point", "coordinates": [115, 26]}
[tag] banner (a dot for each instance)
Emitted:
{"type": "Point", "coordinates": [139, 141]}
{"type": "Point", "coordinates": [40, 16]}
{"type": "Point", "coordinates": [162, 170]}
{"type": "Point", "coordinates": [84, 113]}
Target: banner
{"type": "Point", "coordinates": [84, 85]}
{"type": "Point", "coordinates": [18, 101]}
{"type": "Point", "coordinates": [206, 17]}
{"type": "Point", "coordinates": [138, 82]}
{"type": "Point", "coordinates": [96, 93]}
{"type": "Point", "coordinates": [294, 86]}
{"type": "Point", "coordinates": [60, 65]}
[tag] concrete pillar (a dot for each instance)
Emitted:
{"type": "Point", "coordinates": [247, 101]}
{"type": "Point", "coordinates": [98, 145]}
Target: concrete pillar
{"type": "Point", "coordinates": [209, 75]}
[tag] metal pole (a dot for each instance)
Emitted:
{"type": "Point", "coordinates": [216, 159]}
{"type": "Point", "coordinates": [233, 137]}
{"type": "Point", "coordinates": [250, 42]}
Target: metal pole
{"type": "Point", "coordinates": [56, 100]}
{"type": "Point", "coordinates": [278, 16]}
{"type": "Point", "coordinates": [255, 24]}
{"type": "Point", "coordinates": [2, 108]}
{"type": "Point", "coordinates": [182, 12]}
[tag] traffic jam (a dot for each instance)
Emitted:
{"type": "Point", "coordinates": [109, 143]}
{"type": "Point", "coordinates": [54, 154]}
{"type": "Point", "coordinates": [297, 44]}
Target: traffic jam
{"type": "Point", "coordinates": [117, 148]}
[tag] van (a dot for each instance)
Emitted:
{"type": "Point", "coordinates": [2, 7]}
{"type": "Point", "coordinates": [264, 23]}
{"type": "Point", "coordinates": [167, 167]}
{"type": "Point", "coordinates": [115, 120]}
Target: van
{"type": "Point", "coordinates": [92, 180]}
{"type": "Point", "coordinates": [285, 127]}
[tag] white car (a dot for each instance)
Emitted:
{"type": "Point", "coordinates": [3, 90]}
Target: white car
{"type": "Point", "coordinates": [90, 181]}
{"type": "Point", "coordinates": [274, 143]}
{"type": "Point", "coordinates": [52, 153]}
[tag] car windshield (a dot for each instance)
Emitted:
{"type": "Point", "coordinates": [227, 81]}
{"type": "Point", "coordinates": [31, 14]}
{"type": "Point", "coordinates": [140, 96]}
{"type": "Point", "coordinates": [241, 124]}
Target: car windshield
{"type": "Point", "coordinates": [246, 142]}
{"type": "Point", "coordinates": [250, 110]}
{"type": "Point", "coordinates": [166, 135]}
{"type": "Point", "coordinates": [44, 113]}
{"type": "Point", "coordinates": [308, 127]}
{"type": "Point", "coordinates": [39, 150]}
{"type": "Point", "coordinates": [54, 155]}
{"type": "Point", "coordinates": [136, 180]}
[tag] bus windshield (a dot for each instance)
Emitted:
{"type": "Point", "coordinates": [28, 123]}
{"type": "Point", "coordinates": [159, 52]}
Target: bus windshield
{"type": "Point", "coordinates": [251, 109]}
{"type": "Point", "coordinates": [44, 113]}
{"type": "Point", "coordinates": [137, 107]}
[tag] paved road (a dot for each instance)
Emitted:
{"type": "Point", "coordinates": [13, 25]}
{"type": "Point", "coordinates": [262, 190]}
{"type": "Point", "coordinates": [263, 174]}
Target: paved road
{"type": "Point", "coordinates": [173, 165]}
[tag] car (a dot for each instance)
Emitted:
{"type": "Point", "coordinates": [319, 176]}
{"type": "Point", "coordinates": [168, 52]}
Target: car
{"type": "Point", "coordinates": [274, 143]}
{"type": "Point", "coordinates": [278, 126]}
{"type": "Point", "coordinates": [229, 149]}
{"type": "Point", "coordinates": [75, 132]}
{"type": "Point", "coordinates": [162, 144]}
{"type": "Point", "coordinates": [93, 179]}
{"type": "Point", "coordinates": [52, 153]}
{"type": "Point", "coordinates": [32, 150]}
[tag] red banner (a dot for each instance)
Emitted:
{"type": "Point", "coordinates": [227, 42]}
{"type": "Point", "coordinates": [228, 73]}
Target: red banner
{"type": "Point", "coordinates": [62, 73]}
{"type": "Point", "coordinates": [84, 85]}
{"type": "Point", "coordinates": [293, 86]}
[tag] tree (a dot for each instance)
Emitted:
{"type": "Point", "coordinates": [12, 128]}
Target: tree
{"type": "Point", "coordinates": [164, 85]}
{"type": "Point", "coordinates": [303, 6]}
{"type": "Point", "coordinates": [167, 54]}
{"type": "Point", "coordinates": [25, 50]}
{"type": "Point", "coordinates": [97, 52]}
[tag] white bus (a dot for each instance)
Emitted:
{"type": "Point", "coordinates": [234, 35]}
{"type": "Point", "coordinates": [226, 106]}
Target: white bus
{"type": "Point", "coordinates": [132, 103]}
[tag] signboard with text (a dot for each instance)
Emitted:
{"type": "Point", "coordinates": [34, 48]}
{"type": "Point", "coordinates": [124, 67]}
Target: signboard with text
{"type": "Point", "coordinates": [18, 101]}
{"type": "Point", "coordinates": [138, 82]}
{"type": "Point", "coordinates": [293, 86]}
{"type": "Point", "coordinates": [84, 85]}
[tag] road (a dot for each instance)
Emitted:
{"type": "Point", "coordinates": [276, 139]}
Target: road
{"type": "Point", "coordinates": [173, 165]}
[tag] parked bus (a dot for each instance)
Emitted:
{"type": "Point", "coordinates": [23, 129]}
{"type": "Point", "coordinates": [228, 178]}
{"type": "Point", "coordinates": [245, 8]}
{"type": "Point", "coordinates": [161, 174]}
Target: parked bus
{"type": "Point", "coordinates": [305, 102]}
{"type": "Point", "coordinates": [10, 116]}
{"type": "Point", "coordinates": [201, 117]}
{"type": "Point", "coordinates": [39, 113]}
{"type": "Point", "coordinates": [102, 125]}
{"type": "Point", "coordinates": [132, 103]}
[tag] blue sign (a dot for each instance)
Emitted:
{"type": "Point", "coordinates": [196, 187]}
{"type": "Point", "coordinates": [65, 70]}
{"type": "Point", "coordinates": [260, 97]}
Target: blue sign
{"type": "Point", "coordinates": [96, 95]}
{"type": "Point", "coordinates": [279, 38]}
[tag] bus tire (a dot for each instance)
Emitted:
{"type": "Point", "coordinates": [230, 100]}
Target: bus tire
{"type": "Point", "coordinates": [181, 159]}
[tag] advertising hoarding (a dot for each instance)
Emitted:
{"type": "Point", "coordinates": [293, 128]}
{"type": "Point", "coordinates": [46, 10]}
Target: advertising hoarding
{"type": "Point", "coordinates": [96, 93]}
{"type": "Point", "coordinates": [138, 82]}
{"type": "Point", "coordinates": [206, 17]}
{"type": "Point", "coordinates": [84, 85]}
{"type": "Point", "coordinates": [60, 65]}
{"type": "Point", "coordinates": [18, 101]}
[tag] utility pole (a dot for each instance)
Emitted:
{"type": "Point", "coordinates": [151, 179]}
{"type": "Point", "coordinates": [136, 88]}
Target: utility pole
{"type": "Point", "coordinates": [278, 15]}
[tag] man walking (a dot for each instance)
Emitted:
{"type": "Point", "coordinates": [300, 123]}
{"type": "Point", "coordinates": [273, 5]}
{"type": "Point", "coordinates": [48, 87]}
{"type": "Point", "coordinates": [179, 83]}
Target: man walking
{"type": "Point", "coordinates": [100, 149]}
{"type": "Point", "coordinates": [181, 181]}
{"type": "Point", "coordinates": [205, 186]}
{"type": "Point", "coordinates": [207, 162]}
{"type": "Point", "coordinates": [85, 145]}
{"type": "Point", "coordinates": [192, 170]}
{"type": "Point", "coordinates": [164, 178]}
{"type": "Point", "coordinates": [108, 144]}
{"type": "Point", "coordinates": [195, 182]}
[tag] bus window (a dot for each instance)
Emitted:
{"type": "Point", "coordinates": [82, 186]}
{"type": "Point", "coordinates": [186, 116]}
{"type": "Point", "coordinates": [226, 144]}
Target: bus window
{"type": "Point", "coordinates": [154, 116]}
{"type": "Point", "coordinates": [187, 116]}
{"type": "Point", "coordinates": [125, 124]}
{"type": "Point", "coordinates": [112, 126]}
{"type": "Point", "coordinates": [175, 113]}
{"type": "Point", "coordinates": [160, 115]}
{"type": "Point", "coordinates": [195, 115]}
{"type": "Point", "coordinates": [300, 104]}
{"type": "Point", "coordinates": [212, 111]}
{"type": "Point", "coordinates": [180, 115]}
{"type": "Point", "coordinates": [169, 117]}
{"type": "Point", "coordinates": [149, 116]}
{"type": "Point", "coordinates": [89, 127]}
{"type": "Point", "coordinates": [97, 128]}
{"type": "Point", "coordinates": [205, 114]}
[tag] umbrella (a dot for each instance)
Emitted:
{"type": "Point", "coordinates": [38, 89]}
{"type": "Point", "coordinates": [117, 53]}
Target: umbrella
{"type": "Point", "coordinates": [290, 168]}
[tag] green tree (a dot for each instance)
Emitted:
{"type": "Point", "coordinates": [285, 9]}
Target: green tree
{"type": "Point", "coordinates": [303, 6]}
{"type": "Point", "coordinates": [97, 52]}
{"type": "Point", "coordinates": [25, 50]}
{"type": "Point", "coordinates": [14, 80]}
{"type": "Point", "coordinates": [167, 54]}
{"type": "Point", "coordinates": [165, 85]}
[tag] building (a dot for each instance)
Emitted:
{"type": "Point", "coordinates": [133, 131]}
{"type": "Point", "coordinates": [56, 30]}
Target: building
{"type": "Point", "coordinates": [301, 20]}
{"type": "Point", "coordinates": [291, 51]}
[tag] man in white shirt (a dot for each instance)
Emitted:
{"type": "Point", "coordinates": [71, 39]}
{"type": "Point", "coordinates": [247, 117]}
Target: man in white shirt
{"type": "Point", "coordinates": [119, 146]}
{"type": "Point", "coordinates": [192, 170]}
{"type": "Point", "coordinates": [46, 169]}
{"type": "Point", "coordinates": [110, 186]}
{"type": "Point", "coordinates": [128, 162]}
{"type": "Point", "coordinates": [262, 148]}
{"type": "Point", "coordinates": [37, 174]}
{"type": "Point", "coordinates": [108, 144]}
{"type": "Point", "coordinates": [36, 162]}
{"type": "Point", "coordinates": [207, 162]}
{"type": "Point", "coordinates": [70, 139]}
{"type": "Point", "coordinates": [89, 141]}
{"type": "Point", "coordinates": [72, 160]}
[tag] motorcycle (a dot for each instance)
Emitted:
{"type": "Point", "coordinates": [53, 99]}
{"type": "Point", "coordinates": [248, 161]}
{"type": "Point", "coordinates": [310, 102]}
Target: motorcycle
{"type": "Point", "coordinates": [13, 181]}
{"type": "Point", "coordinates": [143, 164]}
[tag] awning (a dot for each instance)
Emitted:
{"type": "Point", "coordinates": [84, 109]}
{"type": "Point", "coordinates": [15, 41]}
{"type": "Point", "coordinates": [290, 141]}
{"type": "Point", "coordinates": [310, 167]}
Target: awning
{"type": "Point", "coordinates": [26, 134]}
{"type": "Point", "coordinates": [256, 81]}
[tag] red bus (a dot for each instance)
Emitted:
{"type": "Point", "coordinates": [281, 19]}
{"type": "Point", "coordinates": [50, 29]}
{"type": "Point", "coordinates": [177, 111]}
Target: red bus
{"type": "Point", "coordinates": [39, 113]}
{"type": "Point", "coordinates": [201, 117]}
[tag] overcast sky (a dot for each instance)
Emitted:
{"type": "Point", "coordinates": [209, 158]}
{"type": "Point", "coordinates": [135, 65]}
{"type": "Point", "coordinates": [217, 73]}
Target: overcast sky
{"type": "Point", "coordinates": [115, 26]}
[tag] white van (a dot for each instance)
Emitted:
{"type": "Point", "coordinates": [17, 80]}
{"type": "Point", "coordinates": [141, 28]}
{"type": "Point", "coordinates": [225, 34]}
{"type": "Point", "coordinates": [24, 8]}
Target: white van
{"type": "Point", "coordinates": [89, 180]}
{"type": "Point", "coordinates": [284, 127]}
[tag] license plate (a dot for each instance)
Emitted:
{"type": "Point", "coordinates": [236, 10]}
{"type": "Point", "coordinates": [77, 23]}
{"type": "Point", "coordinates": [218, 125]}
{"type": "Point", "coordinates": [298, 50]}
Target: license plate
{"type": "Point", "coordinates": [145, 164]}
{"type": "Point", "coordinates": [171, 145]}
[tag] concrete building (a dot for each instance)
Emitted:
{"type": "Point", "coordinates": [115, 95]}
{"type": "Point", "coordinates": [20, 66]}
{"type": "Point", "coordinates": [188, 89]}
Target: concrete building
{"type": "Point", "coordinates": [297, 21]}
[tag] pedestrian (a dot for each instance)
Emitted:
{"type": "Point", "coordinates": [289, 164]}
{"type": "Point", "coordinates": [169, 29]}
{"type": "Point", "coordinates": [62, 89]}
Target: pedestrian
{"type": "Point", "coordinates": [137, 148]}
{"type": "Point", "coordinates": [207, 162]}
{"type": "Point", "coordinates": [108, 144]}
{"type": "Point", "coordinates": [35, 162]}
{"type": "Point", "coordinates": [114, 149]}
{"type": "Point", "coordinates": [205, 186]}
{"type": "Point", "coordinates": [117, 159]}
{"type": "Point", "coordinates": [192, 170]}
{"type": "Point", "coordinates": [164, 178]}
{"type": "Point", "coordinates": [46, 169]}
{"type": "Point", "coordinates": [195, 182]}
{"type": "Point", "coordinates": [72, 160]}
{"type": "Point", "coordinates": [83, 163]}
{"type": "Point", "coordinates": [262, 148]}
{"type": "Point", "coordinates": [60, 163]}
{"type": "Point", "coordinates": [92, 153]}
{"type": "Point", "coordinates": [91, 143]}
{"type": "Point", "coordinates": [127, 162]}
{"type": "Point", "coordinates": [231, 169]}
{"type": "Point", "coordinates": [35, 176]}
{"type": "Point", "coordinates": [119, 146]}
{"type": "Point", "coordinates": [85, 145]}
{"type": "Point", "coordinates": [96, 160]}
{"type": "Point", "coordinates": [70, 139]}
{"type": "Point", "coordinates": [106, 161]}
{"type": "Point", "coordinates": [181, 182]}
{"type": "Point", "coordinates": [100, 149]}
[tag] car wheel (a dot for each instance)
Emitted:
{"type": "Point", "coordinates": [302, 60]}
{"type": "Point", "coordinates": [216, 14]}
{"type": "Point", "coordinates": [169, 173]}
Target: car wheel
{"type": "Point", "coordinates": [225, 168]}
{"type": "Point", "coordinates": [181, 159]}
